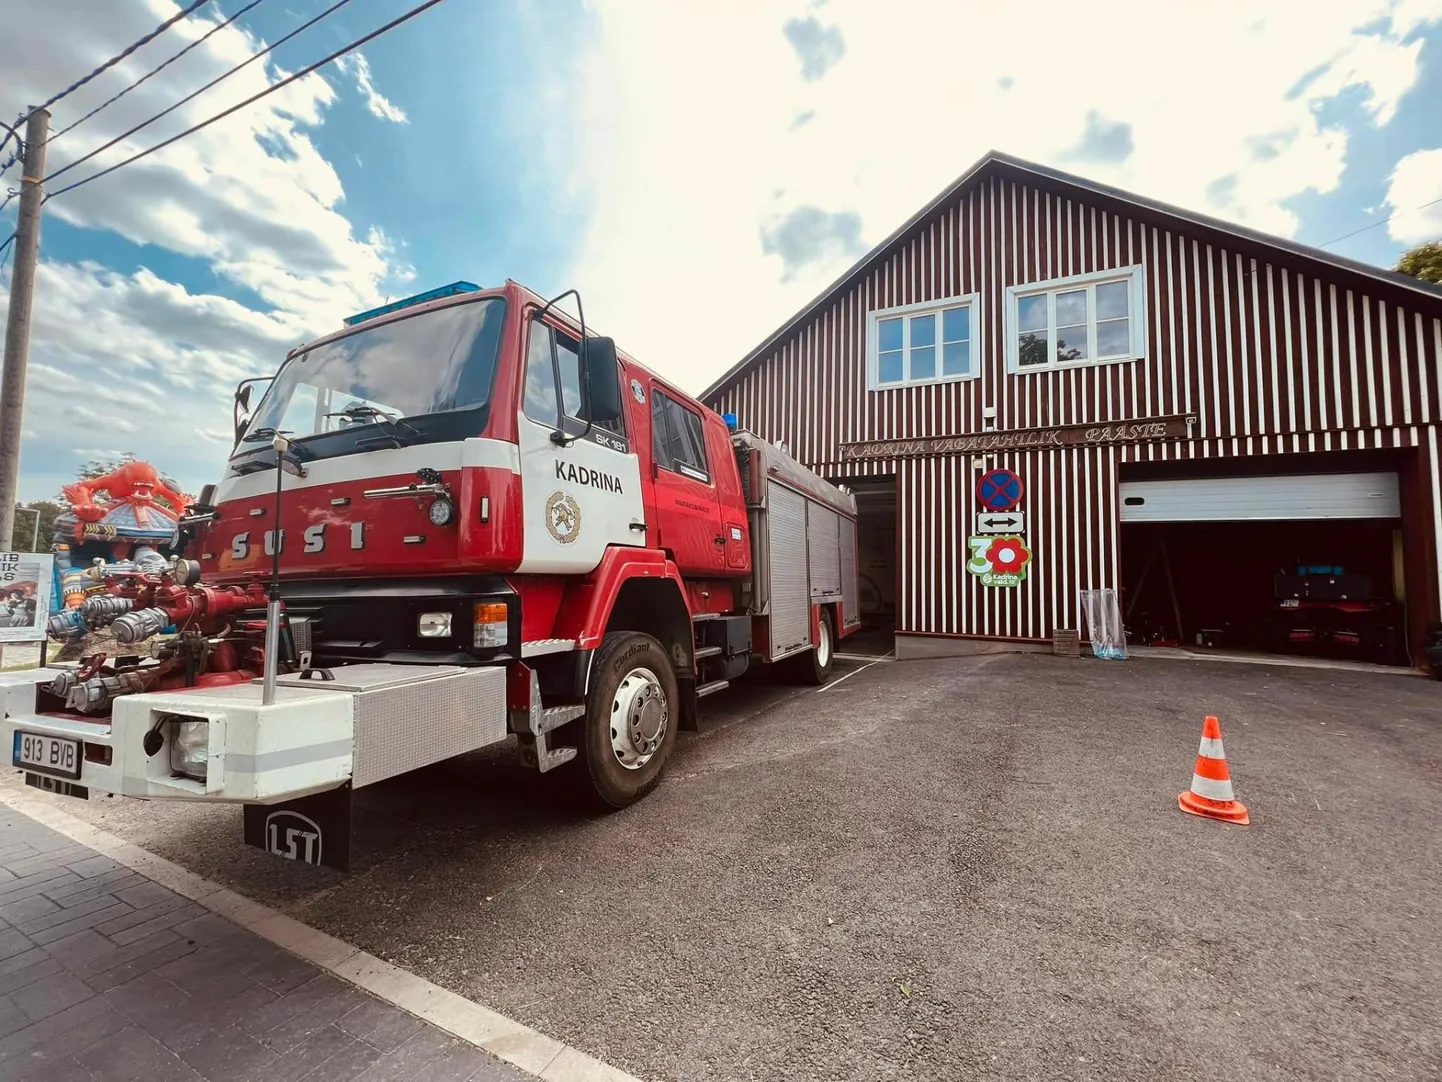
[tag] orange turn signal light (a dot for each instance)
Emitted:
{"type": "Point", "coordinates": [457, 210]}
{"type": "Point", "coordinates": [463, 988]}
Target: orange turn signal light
{"type": "Point", "coordinates": [490, 612]}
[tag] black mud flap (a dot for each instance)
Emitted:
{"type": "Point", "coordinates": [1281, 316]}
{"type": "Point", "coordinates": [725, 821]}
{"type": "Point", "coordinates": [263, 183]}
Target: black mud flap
{"type": "Point", "coordinates": [312, 830]}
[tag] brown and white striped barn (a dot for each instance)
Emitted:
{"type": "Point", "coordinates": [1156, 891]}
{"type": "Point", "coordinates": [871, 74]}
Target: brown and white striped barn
{"type": "Point", "coordinates": [1198, 412]}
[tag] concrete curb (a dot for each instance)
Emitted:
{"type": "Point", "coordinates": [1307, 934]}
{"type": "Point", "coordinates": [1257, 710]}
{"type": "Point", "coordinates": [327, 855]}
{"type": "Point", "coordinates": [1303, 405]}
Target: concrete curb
{"type": "Point", "coordinates": [502, 1037]}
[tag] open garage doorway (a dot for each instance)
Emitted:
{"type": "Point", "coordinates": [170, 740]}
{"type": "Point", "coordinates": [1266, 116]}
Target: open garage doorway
{"type": "Point", "coordinates": [875, 565]}
{"type": "Point", "coordinates": [1303, 564]}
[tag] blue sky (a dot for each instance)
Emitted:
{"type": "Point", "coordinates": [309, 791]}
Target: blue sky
{"type": "Point", "coordinates": [700, 171]}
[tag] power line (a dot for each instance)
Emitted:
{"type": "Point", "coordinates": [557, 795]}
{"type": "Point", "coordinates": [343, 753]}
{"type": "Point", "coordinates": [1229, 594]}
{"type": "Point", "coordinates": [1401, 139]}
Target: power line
{"type": "Point", "coordinates": [118, 57]}
{"type": "Point", "coordinates": [417, 10]}
{"type": "Point", "coordinates": [190, 97]}
{"type": "Point", "coordinates": [19, 143]}
{"type": "Point", "coordinates": [1374, 225]}
{"type": "Point", "coordinates": [156, 70]}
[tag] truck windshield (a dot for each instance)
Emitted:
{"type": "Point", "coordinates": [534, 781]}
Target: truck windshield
{"type": "Point", "coordinates": [423, 379]}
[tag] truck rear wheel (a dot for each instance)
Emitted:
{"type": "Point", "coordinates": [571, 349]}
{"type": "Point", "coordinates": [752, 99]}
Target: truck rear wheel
{"type": "Point", "coordinates": [814, 666]}
{"type": "Point", "coordinates": [631, 713]}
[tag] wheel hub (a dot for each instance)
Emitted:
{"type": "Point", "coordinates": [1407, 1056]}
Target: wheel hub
{"type": "Point", "coordinates": [639, 716]}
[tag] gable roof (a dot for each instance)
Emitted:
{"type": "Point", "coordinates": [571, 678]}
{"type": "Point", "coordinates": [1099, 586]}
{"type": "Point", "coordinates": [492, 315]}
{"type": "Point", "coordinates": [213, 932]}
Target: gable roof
{"type": "Point", "coordinates": [994, 161]}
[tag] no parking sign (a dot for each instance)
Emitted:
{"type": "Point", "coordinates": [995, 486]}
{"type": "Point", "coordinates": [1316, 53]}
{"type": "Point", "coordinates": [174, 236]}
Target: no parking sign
{"type": "Point", "coordinates": [999, 490]}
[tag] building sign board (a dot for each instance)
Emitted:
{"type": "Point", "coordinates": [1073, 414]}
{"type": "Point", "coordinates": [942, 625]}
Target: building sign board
{"type": "Point", "coordinates": [1174, 427]}
{"type": "Point", "coordinates": [994, 522]}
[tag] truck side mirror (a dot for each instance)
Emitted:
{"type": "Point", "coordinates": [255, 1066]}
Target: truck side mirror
{"type": "Point", "coordinates": [240, 410]}
{"type": "Point", "coordinates": [601, 380]}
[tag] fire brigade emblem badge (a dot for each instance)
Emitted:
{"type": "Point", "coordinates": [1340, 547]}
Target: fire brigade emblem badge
{"type": "Point", "coordinates": [637, 391]}
{"type": "Point", "coordinates": [563, 517]}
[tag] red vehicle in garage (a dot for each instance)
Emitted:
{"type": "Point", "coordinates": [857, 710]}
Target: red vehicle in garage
{"type": "Point", "coordinates": [481, 521]}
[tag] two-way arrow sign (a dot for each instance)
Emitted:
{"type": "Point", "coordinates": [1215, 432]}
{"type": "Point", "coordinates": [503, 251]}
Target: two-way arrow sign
{"type": "Point", "coordinates": [1000, 522]}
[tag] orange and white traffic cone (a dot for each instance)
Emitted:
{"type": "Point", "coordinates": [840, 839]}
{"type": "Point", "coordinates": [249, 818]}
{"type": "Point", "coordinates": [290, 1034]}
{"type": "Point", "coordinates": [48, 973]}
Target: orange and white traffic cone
{"type": "Point", "coordinates": [1211, 791]}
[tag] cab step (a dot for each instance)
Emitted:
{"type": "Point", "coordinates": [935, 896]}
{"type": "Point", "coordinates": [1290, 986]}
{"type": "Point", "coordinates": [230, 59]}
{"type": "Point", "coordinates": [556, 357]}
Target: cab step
{"type": "Point", "coordinates": [707, 651]}
{"type": "Point", "coordinates": [553, 717]}
{"type": "Point", "coordinates": [554, 757]}
{"type": "Point", "coordinates": [712, 688]}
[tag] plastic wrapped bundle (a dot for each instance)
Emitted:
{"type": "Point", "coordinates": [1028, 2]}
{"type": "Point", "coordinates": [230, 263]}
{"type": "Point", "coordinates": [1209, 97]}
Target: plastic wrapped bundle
{"type": "Point", "coordinates": [1104, 619]}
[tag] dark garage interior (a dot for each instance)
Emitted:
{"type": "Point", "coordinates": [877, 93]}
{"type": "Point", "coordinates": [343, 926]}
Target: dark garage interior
{"type": "Point", "coordinates": [1327, 588]}
{"type": "Point", "coordinates": [875, 565]}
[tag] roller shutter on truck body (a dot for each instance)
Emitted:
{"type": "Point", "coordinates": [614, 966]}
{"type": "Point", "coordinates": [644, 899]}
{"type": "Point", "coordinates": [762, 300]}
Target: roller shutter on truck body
{"type": "Point", "coordinates": [850, 606]}
{"type": "Point", "coordinates": [823, 545]}
{"type": "Point", "coordinates": [1244, 499]}
{"type": "Point", "coordinates": [803, 538]}
{"type": "Point", "coordinates": [789, 587]}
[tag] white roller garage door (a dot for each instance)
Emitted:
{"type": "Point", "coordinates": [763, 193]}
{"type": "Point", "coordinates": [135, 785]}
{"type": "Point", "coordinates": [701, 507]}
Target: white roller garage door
{"type": "Point", "coordinates": [1234, 499]}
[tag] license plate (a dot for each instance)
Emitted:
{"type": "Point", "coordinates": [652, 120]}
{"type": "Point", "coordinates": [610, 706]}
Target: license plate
{"type": "Point", "coordinates": [47, 754]}
{"type": "Point", "coordinates": [57, 785]}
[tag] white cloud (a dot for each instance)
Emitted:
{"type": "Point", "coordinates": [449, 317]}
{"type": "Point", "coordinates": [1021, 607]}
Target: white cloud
{"type": "Point", "coordinates": [250, 197]}
{"type": "Point", "coordinates": [379, 105]}
{"type": "Point", "coordinates": [1220, 104]}
{"type": "Point", "coordinates": [1415, 196]}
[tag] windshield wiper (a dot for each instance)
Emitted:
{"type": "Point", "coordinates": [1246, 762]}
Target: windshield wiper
{"type": "Point", "coordinates": [396, 430]}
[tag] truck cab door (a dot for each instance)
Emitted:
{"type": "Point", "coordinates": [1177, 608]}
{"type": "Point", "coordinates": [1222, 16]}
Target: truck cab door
{"type": "Point", "coordinates": [582, 497]}
{"type": "Point", "coordinates": [688, 510]}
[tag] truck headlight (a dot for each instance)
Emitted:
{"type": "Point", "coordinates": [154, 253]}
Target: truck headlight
{"type": "Point", "coordinates": [434, 625]}
{"type": "Point", "coordinates": [491, 624]}
{"type": "Point", "coordinates": [189, 740]}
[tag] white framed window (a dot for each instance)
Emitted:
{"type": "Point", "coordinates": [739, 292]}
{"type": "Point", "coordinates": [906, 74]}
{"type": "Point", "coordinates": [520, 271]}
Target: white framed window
{"type": "Point", "coordinates": [930, 342]}
{"type": "Point", "coordinates": [1095, 318]}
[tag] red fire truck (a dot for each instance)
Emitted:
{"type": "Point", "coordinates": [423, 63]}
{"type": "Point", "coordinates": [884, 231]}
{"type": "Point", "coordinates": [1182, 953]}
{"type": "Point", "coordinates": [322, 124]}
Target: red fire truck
{"type": "Point", "coordinates": [460, 518]}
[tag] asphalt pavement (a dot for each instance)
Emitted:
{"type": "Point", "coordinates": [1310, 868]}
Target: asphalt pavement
{"type": "Point", "coordinates": [930, 870]}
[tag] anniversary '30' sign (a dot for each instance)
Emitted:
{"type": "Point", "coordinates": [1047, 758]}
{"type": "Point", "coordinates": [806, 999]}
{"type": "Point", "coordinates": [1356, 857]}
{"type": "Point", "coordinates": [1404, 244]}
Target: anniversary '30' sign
{"type": "Point", "coordinates": [1026, 439]}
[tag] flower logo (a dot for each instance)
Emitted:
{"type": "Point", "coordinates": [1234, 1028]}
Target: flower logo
{"type": "Point", "coordinates": [1008, 555]}
{"type": "Point", "coordinates": [1000, 560]}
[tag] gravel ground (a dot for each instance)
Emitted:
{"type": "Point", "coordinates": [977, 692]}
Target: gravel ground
{"type": "Point", "coordinates": [933, 870]}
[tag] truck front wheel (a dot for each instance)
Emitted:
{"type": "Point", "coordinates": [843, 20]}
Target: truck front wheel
{"type": "Point", "coordinates": [630, 722]}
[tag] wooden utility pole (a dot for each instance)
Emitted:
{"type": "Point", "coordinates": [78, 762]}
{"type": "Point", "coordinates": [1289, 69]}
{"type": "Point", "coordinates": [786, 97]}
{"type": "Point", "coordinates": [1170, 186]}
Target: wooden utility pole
{"type": "Point", "coordinates": [17, 326]}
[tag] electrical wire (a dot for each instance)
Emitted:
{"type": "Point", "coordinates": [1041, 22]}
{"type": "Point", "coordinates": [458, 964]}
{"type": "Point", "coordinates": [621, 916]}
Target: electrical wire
{"type": "Point", "coordinates": [190, 97]}
{"type": "Point", "coordinates": [1374, 225]}
{"type": "Point", "coordinates": [11, 133]}
{"type": "Point", "coordinates": [118, 57]}
{"type": "Point", "coordinates": [14, 133]}
{"type": "Point", "coordinates": [217, 28]}
{"type": "Point", "coordinates": [302, 73]}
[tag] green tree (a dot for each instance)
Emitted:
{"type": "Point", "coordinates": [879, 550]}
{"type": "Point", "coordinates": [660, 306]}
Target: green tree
{"type": "Point", "coordinates": [1423, 261]}
{"type": "Point", "coordinates": [25, 522]}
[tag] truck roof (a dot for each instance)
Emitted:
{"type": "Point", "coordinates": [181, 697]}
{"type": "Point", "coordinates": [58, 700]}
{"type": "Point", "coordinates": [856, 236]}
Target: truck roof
{"type": "Point", "coordinates": [512, 290]}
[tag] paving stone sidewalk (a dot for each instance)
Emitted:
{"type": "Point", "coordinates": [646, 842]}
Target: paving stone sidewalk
{"type": "Point", "coordinates": [106, 976]}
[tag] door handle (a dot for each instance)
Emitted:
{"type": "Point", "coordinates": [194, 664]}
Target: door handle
{"type": "Point", "coordinates": [718, 539]}
{"type": "Point", "coordinates": [639, 526]}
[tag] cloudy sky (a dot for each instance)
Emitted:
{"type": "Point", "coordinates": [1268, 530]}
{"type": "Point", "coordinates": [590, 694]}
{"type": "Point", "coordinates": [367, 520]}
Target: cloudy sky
{"type": "Point", "coordinates": [699, 171]}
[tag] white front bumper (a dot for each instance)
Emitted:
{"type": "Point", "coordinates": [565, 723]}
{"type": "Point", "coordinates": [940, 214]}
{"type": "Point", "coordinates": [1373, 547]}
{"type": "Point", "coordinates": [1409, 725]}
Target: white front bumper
{"type": "Point", "coordinates": [383, 721]}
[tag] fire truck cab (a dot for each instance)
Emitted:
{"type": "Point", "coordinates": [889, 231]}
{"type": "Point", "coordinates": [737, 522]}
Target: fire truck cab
{"type": "Point", "coordinates": [482, 521]}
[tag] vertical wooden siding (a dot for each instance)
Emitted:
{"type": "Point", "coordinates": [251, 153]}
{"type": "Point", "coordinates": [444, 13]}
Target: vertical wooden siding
{"type": "Point", "coordinates": [1270, 359]}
